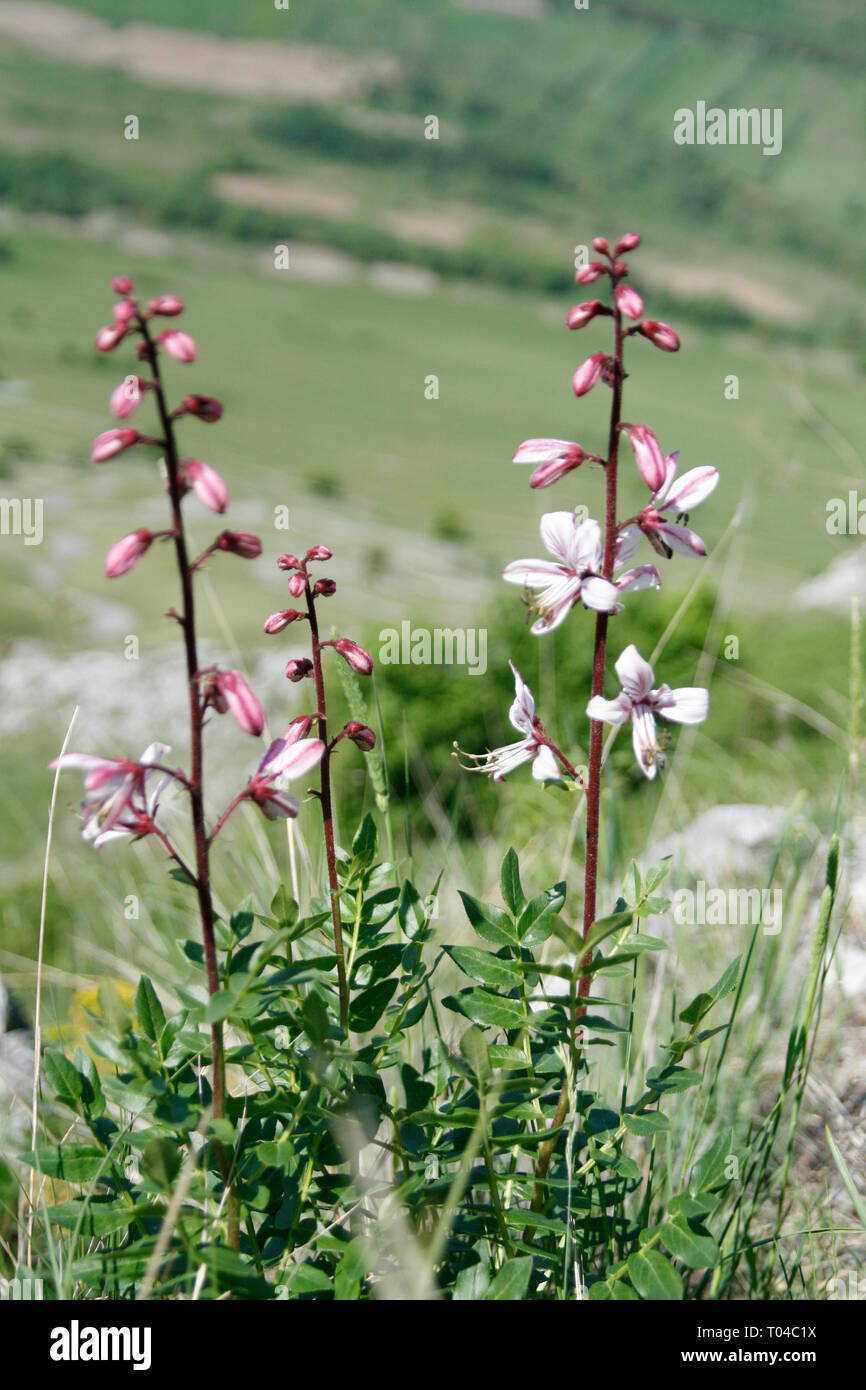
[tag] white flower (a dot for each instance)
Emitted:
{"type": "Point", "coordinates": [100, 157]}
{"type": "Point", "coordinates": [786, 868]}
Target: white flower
{"type": "Point", "coordinates": [639, 702]}
{"type": "Point", "coordinates": [574, 575]}
{"type": "Point", "coordinates": [117, 804]}
{"type": "Point", "coordinates": [532, 747]}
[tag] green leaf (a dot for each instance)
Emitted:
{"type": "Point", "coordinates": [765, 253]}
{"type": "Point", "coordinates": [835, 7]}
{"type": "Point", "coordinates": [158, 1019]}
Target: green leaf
{"type": "Point", "coordinates": [63, 1078]}
{"type": "Point", "coordinates": [148, 1010]}
{"type": "Point", "coordinates": [534, 925]}
{"type": "Point", "coordinates": [491, 923]}
{"type": "Point", "coordinates": [100, 1216]}
{"type": "Point", "coordinates": [604, 927]}
{"type": "Point", "coordinates": [367, 1008]}
{"type": "Point", "coordinates": [652, 1122]}
{"type": "Point", "coordinates": [366, 842]}
{"type": "Point", "coordinates": [484, 967]}
{"type": "Point", "coordinates": [691, 1242]}
{"type": "Point", "coordinates": [242, 921]}
{"type": "Point", "coordinates": [73, 1163]}
{"type": "Point", "coordinates": [612, 1289]}
{"type": "Point", "coordinates": [160, 1162]}
{"type": "Point", "coordinates": [474, 1049]}
{"type": "Point", "coordinates": [845, 1172]}
{"type": "Point", "coordinates": [665, 1079]}
{"type": "Point", "coordinates": [512, 1281]}
{"type": "Point", "coordinates": [284, 909]}
{"type": "Point", "coordinates": [488, 1010]}
{"type": "Point", "coordinates": [709, 1171]}
{"type": "Point", "coordinates": [702, 1003]}
{"type": "Point", "coordinates": [472, 1283]}
{"type": "Point", "coordinates": [509, 879]}
{"type": "Point", "coordinates": [654, 1276]}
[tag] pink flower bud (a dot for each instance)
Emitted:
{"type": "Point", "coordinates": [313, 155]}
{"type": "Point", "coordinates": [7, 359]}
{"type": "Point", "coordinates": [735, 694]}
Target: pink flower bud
{"type": "Point", "coordinates": [124, 311]}
{"type": "Point", "coordinates": [126, 397]}
{"type": "Point", "coordinates": [553, 457]}
{"type": "Point", "coordinates": [242, 703]}
{"type": "Point", "coordinates": [362, 736]}
{"type": "Point", "coordinates": [599, 243]}
{"type": "Point", "coordinates": [318, 552]}
{"type": "Point", "coordinates": [127, 552]}
{"type": "Point", "coordinates": [206, 408]}
{"type": "Point", "coordinates": [588, 373]}
{"type": "Point", "coordinates": [297, 584]}
{"type": "Point", "coordinates": [299, 668]}
{"type": "Point", "coordinates": [298, 729]}
{"type": "Point", "coordinates": [112, 442]}
{"type": "Point", "coordinates": [207, 485]}
{"type": "Point", "coordinates": [650, 459]}
{"type": "Point", "coordinates": [167, 304]}
{"type": "Point", "coordinates": [629, 242]}
{"type": "Point", "coordinates": [628, 301]}
{"type": "Point", "coordinates": [582, 313]}
{"type": "Point", "coordinates": [288, 562]}
{"type": "Point", "coordinates": [108, 337]}
{"type": "Point", "coordinates": [357, 658]}
{"type": "Point", "coordinates": [277, 621]}
{"type": "Point", "coordinates": [661, 334]}
{"type": "Point", "coordinates": [325, 587]}
{"type": "Point", "coordinates": [587, 273]}
{"type": "Point", "coordinates": [121, 284]}
{"type": "Point", "coordinates": [238, 542]}
{"type": "Point", "coordinates": [178, 345]}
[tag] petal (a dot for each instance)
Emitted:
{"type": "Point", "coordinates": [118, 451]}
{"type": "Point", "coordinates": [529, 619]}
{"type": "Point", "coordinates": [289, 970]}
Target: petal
{"type": "Point", "coordinates": [554, 616]}
{"type": "Point", "coordinates": [609, 711]}
{"type": "Point", "coordinates": [84, 762]}
{"type": "Point", "coordinates": [635, 675]}
{"type": "Point", "coordinates": [689, 704]}
{"type": "Point", "coordinates": [681, 539]}
{"type": "Point", "coordinates": [522, 712]}
{"type": "Point", "coordinates": [670, 474]}
{"type": "Point", "coordinates": [599, 594]}
{"type": "Point", "coordinates": [693, 487]}
{"type": "Point", "coordinates": [154, 753]}
{"type": "Point", "coordinates": [643, 734]}
{"type": "Point", "coordinates": [642, 577]}
{"type": "Point", "coordinates": [297, 758]}
{"type": "Point", "coordinates": [558, 531]}
{"type": "Point", "coordinates": [627, 544]}
{"type": "Point", "coordinates": [547, 451]}
{"type": "Point", "coordinates": [586, 549]}
{"type": "Point", "coordinates": [532, 574]}
{"type": "Point", "coordinates": [544, 766]}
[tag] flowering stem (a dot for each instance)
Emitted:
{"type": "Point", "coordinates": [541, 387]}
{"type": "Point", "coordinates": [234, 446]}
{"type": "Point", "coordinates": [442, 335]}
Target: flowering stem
{"type": "Point", "coordinates": [187, 622]}
{"type": "Point", "coordinates": [593, 790]}
{"type": "Point", "coordinates": [327, 812]}
{"type": "Point", "coordinates": [600, 648]}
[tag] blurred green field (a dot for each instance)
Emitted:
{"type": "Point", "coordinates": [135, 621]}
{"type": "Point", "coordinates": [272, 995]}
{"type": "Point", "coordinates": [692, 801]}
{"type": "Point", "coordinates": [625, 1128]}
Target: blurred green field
{"type": "Point", "coordinates": [552, 130]}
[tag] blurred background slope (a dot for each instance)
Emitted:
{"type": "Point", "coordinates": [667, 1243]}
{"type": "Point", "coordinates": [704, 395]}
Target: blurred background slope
{"type": "Point", "coordinates": [409, 258]}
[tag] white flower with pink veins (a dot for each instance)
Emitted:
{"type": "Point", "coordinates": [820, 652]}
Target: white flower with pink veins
{"type": "Point", "coordinates": [533, 747]}
{"type": "Point", "coordinates": [640, 703]}
{"type": "Point", "coordinates": [574, 574]}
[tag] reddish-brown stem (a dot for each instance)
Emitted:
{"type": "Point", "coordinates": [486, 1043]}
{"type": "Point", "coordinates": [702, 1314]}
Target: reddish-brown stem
{"type": "Point", "coordinates": [229, 810]}
{"type": "Point", "coordinates": [569, 767]}
{"type": "Point", "coordinates": [593, 791]}
{"type": "Point", "coordinates": [186, 619]}
{"type": "Point", "coordinates": [600, 647]}
{"type": "Point", "coordinates": [327, 811]}
{"type": "Point", "coordinates": [166, 843]}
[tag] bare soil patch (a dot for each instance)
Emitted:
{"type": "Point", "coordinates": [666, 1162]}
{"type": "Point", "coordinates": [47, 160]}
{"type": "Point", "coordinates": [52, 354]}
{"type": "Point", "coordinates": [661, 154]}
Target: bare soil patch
{"type": "Point", "coordinates": [193, 60]}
